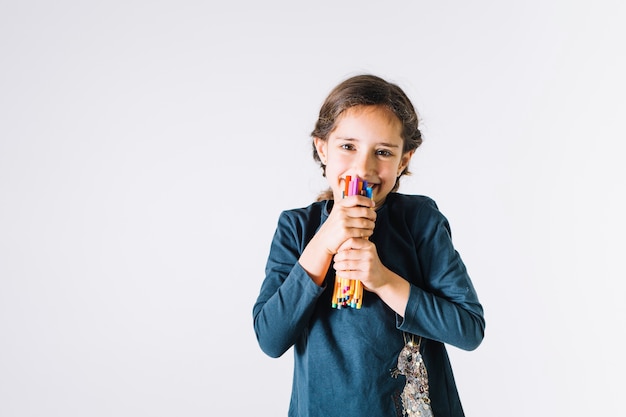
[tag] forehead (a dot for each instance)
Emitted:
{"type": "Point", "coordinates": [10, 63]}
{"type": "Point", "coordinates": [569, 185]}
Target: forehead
{"type": "Point", "coordinates": [378, 120]}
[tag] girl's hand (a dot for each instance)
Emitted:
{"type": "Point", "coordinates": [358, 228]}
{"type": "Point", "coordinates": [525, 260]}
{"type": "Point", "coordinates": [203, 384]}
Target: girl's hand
{"type": "Point", "coordinates": [358, 259]}
{"type": "Point", "coordinates": [351, 217]}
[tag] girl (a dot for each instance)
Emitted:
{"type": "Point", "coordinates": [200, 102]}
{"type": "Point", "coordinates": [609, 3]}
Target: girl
{"type": "Point", "coordinates": [398, 246]}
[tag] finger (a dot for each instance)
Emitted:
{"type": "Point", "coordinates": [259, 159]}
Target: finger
{"type": "Point", "coordinates": [347, 265]}
{"type": "Point", "coordinates": [363, 213]}
{"type": "Point", "coordinates": [357, 201]}
{"type": "Point", "coordinates": [349, 246]}
{"type": "Point", "coordinates": [360, 228]}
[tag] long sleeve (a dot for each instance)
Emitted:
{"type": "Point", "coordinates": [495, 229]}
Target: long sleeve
{"type": "Point", "coordinates": [445, 306]}
{"type": "Point", "coordinates": [287, 297]}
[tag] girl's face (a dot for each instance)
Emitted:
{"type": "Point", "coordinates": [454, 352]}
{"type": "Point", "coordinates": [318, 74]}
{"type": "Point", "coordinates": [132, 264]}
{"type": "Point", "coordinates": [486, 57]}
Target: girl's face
{"type": "Point", "coordinates": [367, 144]}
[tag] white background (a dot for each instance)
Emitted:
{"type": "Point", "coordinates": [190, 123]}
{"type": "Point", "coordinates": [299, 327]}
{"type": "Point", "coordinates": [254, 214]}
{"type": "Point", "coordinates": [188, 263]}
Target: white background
{"type": "Point", "coordinates": [147, 148]}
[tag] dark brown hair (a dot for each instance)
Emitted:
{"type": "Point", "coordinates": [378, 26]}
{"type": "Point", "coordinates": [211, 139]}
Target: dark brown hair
{"type": "Point", "coordinates": [367, 90]}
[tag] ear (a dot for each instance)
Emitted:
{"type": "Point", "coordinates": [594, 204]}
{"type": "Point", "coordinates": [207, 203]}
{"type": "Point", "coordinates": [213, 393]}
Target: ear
{"type": "Point", "coordinates": [322, 147]}
{"type": "Point", "coordinates": [404, 162]}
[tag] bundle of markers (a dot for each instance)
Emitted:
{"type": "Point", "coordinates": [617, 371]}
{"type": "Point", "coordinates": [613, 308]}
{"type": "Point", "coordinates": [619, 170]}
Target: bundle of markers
{"type": "Point", "coordinates": [349, 292]}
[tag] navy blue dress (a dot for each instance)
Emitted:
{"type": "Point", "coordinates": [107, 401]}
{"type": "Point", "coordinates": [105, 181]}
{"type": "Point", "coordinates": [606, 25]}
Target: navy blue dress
{"type": "Point", "coordinates": [343, 358]}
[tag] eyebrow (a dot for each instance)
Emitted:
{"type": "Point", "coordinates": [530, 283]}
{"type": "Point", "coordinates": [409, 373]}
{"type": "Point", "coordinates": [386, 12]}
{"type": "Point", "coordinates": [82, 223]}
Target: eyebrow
{"type": "Point", "coordinates": [387, 144]}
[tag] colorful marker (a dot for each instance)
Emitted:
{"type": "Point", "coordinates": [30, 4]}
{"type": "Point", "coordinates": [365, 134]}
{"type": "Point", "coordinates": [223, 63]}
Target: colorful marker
{"type": "Point", "coordinates": [349, 292]}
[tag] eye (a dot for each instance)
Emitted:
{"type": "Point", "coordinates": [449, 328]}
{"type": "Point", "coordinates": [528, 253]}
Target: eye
{"type": "Point", "coordinates": [347, 146]}
{"type": "Point", "coordinates": [383, 152]}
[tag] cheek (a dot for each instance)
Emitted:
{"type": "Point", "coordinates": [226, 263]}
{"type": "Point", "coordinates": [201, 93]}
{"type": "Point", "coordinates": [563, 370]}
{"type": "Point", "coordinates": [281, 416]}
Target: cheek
{"type": "Point", "coordinates": [391, 170]}
{"type": "Point", "coordinates": [337, 162]}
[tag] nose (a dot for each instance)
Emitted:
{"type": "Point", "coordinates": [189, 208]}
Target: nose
{"type": "Point", "coordinates": [364, 165]}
